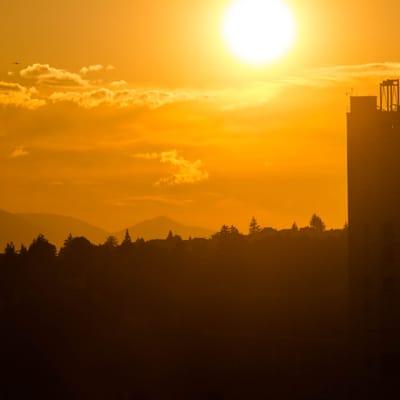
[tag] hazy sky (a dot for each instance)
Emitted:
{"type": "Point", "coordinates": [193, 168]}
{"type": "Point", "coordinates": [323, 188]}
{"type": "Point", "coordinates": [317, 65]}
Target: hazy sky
{"type": "Point", "coordinates": [125, 110]}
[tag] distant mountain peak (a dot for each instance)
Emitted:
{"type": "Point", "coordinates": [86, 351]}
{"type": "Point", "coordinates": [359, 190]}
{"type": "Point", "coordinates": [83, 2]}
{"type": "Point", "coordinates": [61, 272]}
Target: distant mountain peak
{"type": "Point", "coordinates": [24, 227]}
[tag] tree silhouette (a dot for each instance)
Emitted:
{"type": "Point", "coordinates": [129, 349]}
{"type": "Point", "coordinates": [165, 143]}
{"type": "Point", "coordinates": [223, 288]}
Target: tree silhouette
{"type": "Point", "coordinates": [227, 233]}
{"type": "Point", "coordinates": [317, 224]}
{"type": "Point", "coordinates": [222, 234]}
{"type": "Point", "coordinates": [295, 227]}
{"type": "Point", "coordinates": [111, 242]}
{"type": "Point", "coordinates": [23, 250]}
{"type": "Point", "coordinates": [10, 251]}
{"type": "Point", "coordinates": [41, 248]}
{"type": "Point", "coordinates": [233, 231]}
{"type": "Point", "coordinates": [140, 241]}
{"type": "Point", "coordinates": [127, 242]}
{"type": "Point", "coordinates": [86, 303]}
{"type": "Point", "coordinates": [68, 240]}
{"type": "Point", "coordinates": [75, 247]}
{"type": "Point", "coordinates": [254, 228]}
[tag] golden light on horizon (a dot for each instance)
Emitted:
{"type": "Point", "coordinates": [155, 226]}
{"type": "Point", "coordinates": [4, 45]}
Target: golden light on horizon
{"type": "Point", "coordinates": [259, 32]}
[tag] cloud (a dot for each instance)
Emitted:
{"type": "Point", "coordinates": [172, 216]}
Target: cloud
{"type": "Point", "coordinates": [86, 99]}
{"type": "Point", "coordinates": [19, 152]}
{"type": "Point", "coordinates": [183, 171]}
{"type": "Point", "coordinates": [14, 94]}
{"type": "Point", "coordinates": [118, 84]}
{"type": "Point", "coordinates": [89, 94]}
{"type": "Point", "coordinates": [147, 156]}
{"type": "Point", "coordinates": [340, 76]}
{"type": "Point", "coordinates": [134, 200]}
{"type": "Point", "coordinates": [345, 73]}
{"type": "Point", "coordinates": [10, 87]}
{"type": "Point", "coordinates": [96, 68]}
{"type": "Point", "coordinates": [47, 75]}
{"type": "Point", "coordinates": [151, 98]}
{"type": "Point", "coordinates": [91, 68]}
{"type": "Point", "coordinates": [256, 94]}
{"type": "Point", "coordinates": [340, 72]}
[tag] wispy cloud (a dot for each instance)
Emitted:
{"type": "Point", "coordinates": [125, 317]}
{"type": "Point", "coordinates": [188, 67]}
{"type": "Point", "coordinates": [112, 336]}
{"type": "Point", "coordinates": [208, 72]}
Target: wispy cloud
{"type": "Point", "coordinates": [118, 84]}
{"type": "Point", "coordinates": [77, 88]}
{"type": "Point", "coordinates": [335, 74]}
{"type": "Point", "coordinates": [91, 68]}
{"type": "Point", "coordinates": [46, 75]}
{"type": "Point", "coordinates": [152, 98]}
{"type": "Point", "coordinates": [96, 68]}
{"type": "Point", "coordinates": [147, 156]}
{"type": "Point", "coordinates": [133, 200]}
{"type": "Point", "coordinates": [14, 94]}
{"type": "Point", "coordinates": [370, 70]}
{"type": "Point", "coordinates": [118, 93]}
{"type": "Point", "coordinates": [19, 152]}
{"type": "Point", "coordinates": [182, 172]}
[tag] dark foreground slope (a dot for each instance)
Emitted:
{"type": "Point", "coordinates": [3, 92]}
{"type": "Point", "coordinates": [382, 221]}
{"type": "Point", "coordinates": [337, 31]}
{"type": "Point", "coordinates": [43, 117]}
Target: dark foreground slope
{"type": "Point", "coordinates": [229, 318]}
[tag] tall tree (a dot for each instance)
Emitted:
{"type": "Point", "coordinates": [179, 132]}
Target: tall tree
{"type": "Point", "coordinates": [127, 239]}
{"type": "Point", "coordinates": [254, 227]}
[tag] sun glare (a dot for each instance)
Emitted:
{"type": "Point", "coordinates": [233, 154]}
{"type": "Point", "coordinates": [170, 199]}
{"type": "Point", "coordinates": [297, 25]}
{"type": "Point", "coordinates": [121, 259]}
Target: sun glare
{"type": "Point", "coordinates": [259, 31]}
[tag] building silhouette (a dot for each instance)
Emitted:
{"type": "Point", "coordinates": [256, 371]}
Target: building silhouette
{"type": "Point", "coordinates": [374, 226]}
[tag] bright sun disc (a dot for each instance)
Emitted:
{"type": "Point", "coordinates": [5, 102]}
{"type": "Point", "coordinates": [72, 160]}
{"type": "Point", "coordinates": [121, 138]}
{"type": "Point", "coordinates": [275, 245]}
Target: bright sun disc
{"type": "Point", "coordinates": [259, 31]}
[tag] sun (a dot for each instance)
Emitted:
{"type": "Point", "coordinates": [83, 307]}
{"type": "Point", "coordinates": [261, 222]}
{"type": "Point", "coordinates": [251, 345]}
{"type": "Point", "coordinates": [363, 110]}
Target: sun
{"type": "Point", "coordinates": [259, 32]}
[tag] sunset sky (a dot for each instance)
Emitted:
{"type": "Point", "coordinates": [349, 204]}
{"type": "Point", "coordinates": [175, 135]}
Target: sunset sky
{"type": "Point", "coordinates": [125, 110]}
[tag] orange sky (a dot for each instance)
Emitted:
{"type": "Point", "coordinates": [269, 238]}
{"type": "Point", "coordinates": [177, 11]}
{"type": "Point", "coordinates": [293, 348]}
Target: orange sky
{"type": "Point", "coordinates": [125, 110]}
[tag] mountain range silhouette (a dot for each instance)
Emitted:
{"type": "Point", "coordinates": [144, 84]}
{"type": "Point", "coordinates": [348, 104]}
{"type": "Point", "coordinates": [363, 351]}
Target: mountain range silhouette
{"type": "Point", "coordinates": [23, 227]}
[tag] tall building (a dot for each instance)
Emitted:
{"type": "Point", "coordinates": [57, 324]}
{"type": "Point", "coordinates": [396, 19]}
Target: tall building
{"type": "Point", "coordinates": [373, 134]}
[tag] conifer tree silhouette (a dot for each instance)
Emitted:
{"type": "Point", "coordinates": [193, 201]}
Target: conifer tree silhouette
{"type": "Point", "coordinates": [254, 228]}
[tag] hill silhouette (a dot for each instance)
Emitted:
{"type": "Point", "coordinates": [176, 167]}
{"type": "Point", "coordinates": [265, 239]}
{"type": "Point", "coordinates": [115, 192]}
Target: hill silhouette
{"type": "Point", "coordinates": [158, 228]}
{"type": "Point", "coordinates": [58, 227]}
{"type": "Point", "coordinates": [14, 228]}
{"type": "Point", "coordinates": [22, 228]}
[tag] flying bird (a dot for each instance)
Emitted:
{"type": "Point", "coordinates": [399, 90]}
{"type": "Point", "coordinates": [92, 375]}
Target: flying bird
{"type": "Point", "coordinates": [16, 63]}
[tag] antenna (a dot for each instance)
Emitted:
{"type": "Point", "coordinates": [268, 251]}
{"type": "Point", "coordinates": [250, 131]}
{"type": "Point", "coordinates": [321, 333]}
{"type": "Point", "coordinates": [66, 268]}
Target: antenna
{"type": "Point", "coordinates": [390, 95]}
{"type": "Point", "coordinates": [349, 94]}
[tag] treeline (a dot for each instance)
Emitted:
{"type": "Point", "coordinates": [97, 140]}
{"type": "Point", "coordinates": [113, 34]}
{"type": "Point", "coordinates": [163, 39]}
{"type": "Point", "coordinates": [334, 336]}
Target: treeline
{"type": "Point", "coordinates": [231, 317]}
{"type": "Point", "coordinates": [226, 233]}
